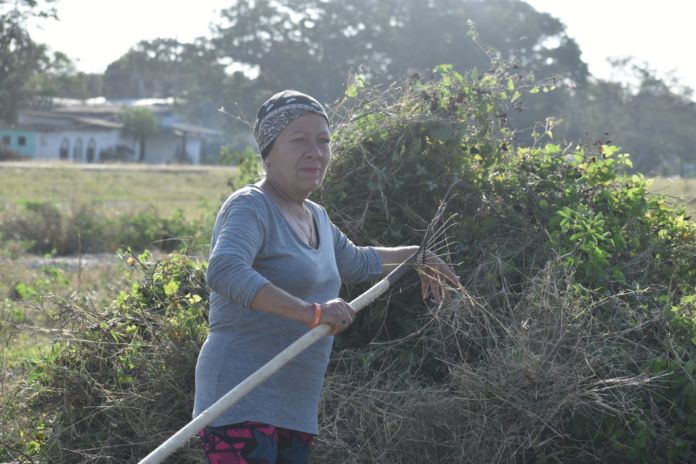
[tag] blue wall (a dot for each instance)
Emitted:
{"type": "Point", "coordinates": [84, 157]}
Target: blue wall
{"type": "Point", "coordinates": [29, 147]}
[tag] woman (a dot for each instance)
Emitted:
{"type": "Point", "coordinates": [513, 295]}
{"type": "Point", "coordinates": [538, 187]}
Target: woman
{"type": "Point", "coordinates": [275, 270]}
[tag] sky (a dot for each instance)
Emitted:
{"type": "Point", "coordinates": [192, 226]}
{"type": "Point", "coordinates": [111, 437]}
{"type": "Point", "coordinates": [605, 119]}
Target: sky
{"type": "Point", "coordinates": [96, 32]}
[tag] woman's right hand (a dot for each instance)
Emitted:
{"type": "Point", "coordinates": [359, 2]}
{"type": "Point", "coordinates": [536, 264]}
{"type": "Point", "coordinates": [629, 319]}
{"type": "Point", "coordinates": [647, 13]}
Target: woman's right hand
{"type": "Point", "coordinates": [337, 313]}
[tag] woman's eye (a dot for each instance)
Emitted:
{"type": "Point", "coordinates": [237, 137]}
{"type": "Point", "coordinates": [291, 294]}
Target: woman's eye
{"type": "Point", "coordinates": [324, 140]}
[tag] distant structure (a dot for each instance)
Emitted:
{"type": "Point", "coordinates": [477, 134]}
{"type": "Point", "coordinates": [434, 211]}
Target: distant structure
{"type": "Point", "coordinates": [90, 132]}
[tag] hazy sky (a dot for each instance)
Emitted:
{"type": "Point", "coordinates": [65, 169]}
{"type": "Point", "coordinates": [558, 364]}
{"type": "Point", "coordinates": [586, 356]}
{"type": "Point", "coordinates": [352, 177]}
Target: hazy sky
{"type": "Point", "coordinates": [660, 33]}
{"type": "Point", "coordinates": [97, 32]}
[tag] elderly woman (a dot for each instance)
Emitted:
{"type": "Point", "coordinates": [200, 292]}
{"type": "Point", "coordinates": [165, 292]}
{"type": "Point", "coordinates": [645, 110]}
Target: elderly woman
{"type": "Point", "coordinates": [276, 266]}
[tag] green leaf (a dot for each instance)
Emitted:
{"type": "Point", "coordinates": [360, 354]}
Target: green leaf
{"type": "Point", "coordinates": [552, 149]}
{"type": "Point", "coordinates": [352, 91]}
{"type": "Point", "coordinates": [443, 68]}
{"type": "Point", "coordinates": [171, 288]}
{"type": "Point", "coordinates": [617, 275]}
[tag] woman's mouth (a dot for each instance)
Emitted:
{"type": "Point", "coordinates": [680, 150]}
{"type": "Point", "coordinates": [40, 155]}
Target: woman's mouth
{"type": "Point", "coordinates": [311, 170]}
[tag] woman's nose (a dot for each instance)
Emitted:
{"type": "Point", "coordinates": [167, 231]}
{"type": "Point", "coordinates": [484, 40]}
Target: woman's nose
{"type": "Point", "coordinates": [315, 149]}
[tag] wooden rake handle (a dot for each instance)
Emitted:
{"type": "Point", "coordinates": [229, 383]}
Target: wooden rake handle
{"type": "Point", "coordinates": [271, 367]}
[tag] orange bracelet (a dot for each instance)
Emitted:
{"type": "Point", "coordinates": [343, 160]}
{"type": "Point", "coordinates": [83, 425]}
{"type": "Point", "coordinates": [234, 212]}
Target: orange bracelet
{"type": "Point", "coordinates": [317, 315]}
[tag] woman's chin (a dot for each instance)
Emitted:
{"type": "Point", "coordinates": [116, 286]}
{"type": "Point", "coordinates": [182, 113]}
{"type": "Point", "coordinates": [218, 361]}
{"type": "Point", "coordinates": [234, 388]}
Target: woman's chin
{"type": "Point", "coordinates": [311, 184]}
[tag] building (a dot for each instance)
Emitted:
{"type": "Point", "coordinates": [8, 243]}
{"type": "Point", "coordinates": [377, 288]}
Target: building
{"type": "Point", "coordinates": [92, 133]}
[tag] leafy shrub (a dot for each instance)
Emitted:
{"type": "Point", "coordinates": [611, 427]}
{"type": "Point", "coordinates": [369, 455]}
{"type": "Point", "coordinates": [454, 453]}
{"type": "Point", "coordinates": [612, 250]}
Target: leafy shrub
{"type": "Point", "coordinates": [122, 380]}
{"type": "Point", "coordinates": [620, 263]}
{"type": "Point", "coordinates": [44, 228]}
{"type": "Point", "coordinates": [248, 165]}
{"type": "Point", "coordinates": [8, 154]}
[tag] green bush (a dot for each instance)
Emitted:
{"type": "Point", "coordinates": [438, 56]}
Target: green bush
{"type": "Point", "coordinates": [624, 264]}
{"type": "Point", "coordinates": [122, 380]}
{"type": "Point", "coordinates": [43, 227]}
{"type": "Point", "coordinates": [8, 154]}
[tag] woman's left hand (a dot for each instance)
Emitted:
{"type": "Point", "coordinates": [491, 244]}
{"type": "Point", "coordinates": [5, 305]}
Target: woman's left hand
{"type": "Point", "coordinates": [436, 277]}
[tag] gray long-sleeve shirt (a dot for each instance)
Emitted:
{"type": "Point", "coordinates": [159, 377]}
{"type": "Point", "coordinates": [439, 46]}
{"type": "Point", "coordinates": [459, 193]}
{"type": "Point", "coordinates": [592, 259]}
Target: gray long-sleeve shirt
{"type": "Point", "coordinates": [253, 245]}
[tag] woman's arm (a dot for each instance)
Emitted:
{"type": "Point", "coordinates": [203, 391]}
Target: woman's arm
{"type": "Point", "coordinates": [274, 300]}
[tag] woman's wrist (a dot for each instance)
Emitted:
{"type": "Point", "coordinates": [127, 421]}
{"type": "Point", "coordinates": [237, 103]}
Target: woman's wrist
{"type": "Point", "coordinates": [315, 315]}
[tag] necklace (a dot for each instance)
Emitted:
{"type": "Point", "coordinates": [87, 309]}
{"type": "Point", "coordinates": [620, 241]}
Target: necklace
{"type": "Point", "coordinates": [307, 227]}
{"type": "Point", "coordinates": [303, 226]}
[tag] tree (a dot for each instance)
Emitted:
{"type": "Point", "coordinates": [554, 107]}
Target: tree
{"type": "Point", "coordinates": [59, 78]}
{"type": "Point", "coordinates": [139, 123]}
{"type": "Point", "coordinates": [20, 57]}
{"type": "Point", "coordinates": [190, 73]}
{"type": "Point", "coordinates": [651, 119]}
{"type": "Point", "coordinates": [313, 45]}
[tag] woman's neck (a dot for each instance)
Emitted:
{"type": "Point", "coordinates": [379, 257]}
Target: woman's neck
{"type": "Point", "coordinates": [280, 196]}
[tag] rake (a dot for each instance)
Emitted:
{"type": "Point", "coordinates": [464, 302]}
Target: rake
{"type": "Point", "coordinates": [435, 229]}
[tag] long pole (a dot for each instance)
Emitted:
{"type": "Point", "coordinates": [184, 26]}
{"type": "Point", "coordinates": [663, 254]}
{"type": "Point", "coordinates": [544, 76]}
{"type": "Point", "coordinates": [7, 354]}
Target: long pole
{"type": "Point", "coordinates": [271, 367]}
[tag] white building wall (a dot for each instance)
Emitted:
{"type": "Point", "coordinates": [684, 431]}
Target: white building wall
{"type": "Point", "coordinates": [160, 149]}
{"type": "Point", "coordinates": [49, 143]}
{"type": "Point", "coordinates": [193, 148]}
{"type": "Point", "coordinates": [163, 148]}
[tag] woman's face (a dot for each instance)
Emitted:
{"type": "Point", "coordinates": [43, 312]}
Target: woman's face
{"type": "Point", "coordinates": [300, 154]}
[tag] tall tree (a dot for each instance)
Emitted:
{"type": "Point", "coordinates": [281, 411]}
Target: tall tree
{"type": "Point", "coordinates": [312, 45]}
{"type": "Point", "coordinates": [139, 123]}
{"type": "Point", "coordinates": [59, 78]}
{"type": "Point", "coordinates": [20, 57]}
{"type": "Point", "coordinates": [652, 120]}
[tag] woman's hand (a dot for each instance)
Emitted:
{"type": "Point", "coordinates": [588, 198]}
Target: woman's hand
{"type": "Point", "coordinates": [436, 276]}
{"type": "Point", "coordinates": [337, 313]}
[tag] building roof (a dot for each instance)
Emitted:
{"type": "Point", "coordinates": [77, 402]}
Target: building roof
{"type": "Point", "coordinates": [49, 121]}
{"type": "Point", "coordinates": [103, 123]}
{"type": "Point", "coordinates": [104, 115]}
{"type": "Point", "coordinates": [192, 129]}
{"type": "Point", "coordinates": [107, 109]}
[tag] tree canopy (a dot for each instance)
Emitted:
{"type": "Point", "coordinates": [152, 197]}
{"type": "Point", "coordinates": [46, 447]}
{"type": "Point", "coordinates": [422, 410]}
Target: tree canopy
{"type": "Point", "coordinates": [312, 45]}
{"type": "Point", "coordinates": [139, 123]}
{"type": "Point", "coordinates": [20, 58]}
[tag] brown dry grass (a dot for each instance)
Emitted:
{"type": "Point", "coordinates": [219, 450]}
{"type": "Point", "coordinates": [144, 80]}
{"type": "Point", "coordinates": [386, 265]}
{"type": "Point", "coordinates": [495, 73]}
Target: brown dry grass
{"type": "Point", "coordinates": [513, 377]}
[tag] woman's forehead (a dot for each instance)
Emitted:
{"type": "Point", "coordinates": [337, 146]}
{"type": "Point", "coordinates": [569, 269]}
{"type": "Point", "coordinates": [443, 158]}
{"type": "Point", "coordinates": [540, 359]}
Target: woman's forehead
{"type": "Point", "coordinates": [309, 122]}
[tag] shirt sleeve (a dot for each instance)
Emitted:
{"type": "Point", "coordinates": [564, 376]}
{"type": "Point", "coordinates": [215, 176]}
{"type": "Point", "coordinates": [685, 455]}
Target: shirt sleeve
{"type": "Point", "coordinates": [355, 264]}
{"type": "Point", "coordinates": [238, 236]}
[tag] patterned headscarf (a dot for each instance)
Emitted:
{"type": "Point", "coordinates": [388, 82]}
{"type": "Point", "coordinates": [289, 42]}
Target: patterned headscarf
{"type": "Point", "coordinates": [279, 111]}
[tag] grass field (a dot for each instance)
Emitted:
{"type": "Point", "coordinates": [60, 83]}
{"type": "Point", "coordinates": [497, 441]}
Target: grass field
{"type": "Point", "coordinates": [117, 187]}
{"type": "Point", "coordinates": [27, 322]}
{"type": "Point", "coordinates": [124, 187]}
{"type": "Point", "coordinates": [678, 190]}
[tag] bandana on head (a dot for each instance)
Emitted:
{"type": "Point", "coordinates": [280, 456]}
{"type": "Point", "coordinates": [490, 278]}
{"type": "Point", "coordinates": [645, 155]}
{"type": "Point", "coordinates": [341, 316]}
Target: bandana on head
{"type": "Point", "coordinates": [279, 111]}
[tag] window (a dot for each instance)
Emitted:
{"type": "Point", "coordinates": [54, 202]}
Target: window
{"type": "Point", "coordinates": [77, 150]}
{"type": "Point", "coordinates": [91, 149]}
{"type": "Point", "coordinates": [22, 141]}
{"type": "Point", "coordinates": [64, 149]}
{"type": "Point", "coordinates": [5, 139]}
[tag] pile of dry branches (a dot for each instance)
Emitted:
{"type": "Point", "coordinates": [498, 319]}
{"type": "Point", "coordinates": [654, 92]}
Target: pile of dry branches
{"type": "Point", "coordinates": [509, 381]}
